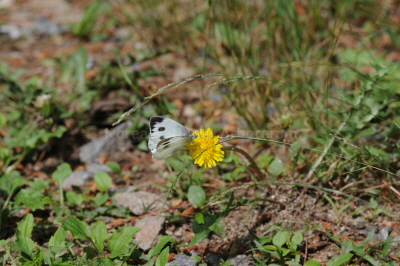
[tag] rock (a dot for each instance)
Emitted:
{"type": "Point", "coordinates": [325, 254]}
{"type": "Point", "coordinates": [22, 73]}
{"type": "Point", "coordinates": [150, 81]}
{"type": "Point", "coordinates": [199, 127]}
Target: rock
{"type": "Point", "coordinates": [115, 140]}
{"type": "Point", "coordinates": [215, 97]}
{"type": "Point", "coordinates": [12, 31]}
{"type": "Point", "coordinates": [182, 260]}
{"type": "Point", "coordinates": [78, 179]}
{"type": "Point", "coordinates": [94, 168]}
{"type": "Point", "coordinates": [359, 222]}
{"type": "Point", "coordinates": [46, 27]}
{"type": "Point", "coordinates": [182, 73]}
{"type": "Point", "coordinates": [212, 259]}
{"type": "Point", "coordinates": [41, 26]}
{"type": "Point", "coordinates": [6, 3]}
{"type": "Point", "coordinates": [383, 233]}
{"type": "Point", "coordinates": [81, 178]}
{"type": "Point", "coordinates": [139, 202]}
{"type": "Point", "coordinates": [150, 226]}
{"type": "Point", "coordinates": [241, 260]}
{"type": "Point", "coordinates": [60, 11]}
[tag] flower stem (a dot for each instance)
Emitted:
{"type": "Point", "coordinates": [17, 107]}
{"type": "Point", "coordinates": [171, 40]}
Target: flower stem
{"type": "Point", "coordinates": [248, 157]}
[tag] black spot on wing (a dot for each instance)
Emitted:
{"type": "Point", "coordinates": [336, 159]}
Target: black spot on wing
{"type": "Point", "coordinates": [161, 129]}
{"type": "Point", "coordinates": [162, 137]}
{"type": "Point", "coordinates": [166, 143]}
{"type": "Point", "coordinates": [155, 120]}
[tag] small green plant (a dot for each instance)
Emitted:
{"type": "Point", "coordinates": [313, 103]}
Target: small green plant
{"type": "Point", "coordinates": [337, 210]}
{"type": "Point", "coordinates": [103, 249]}
{"type": "Point", "coordinates": [362, 252]}
{"type": "Point", "coordinates": [283, 248]}
{"type": "Point", "coordinates": [28, 118]}
{"type": "Point", "coordinates": [158, 255]}
{"type": "Point", "coordinates": [119, 245]}
{"type": "Point", "coordinates": [86, 27]}
{"type": "Point", "coordinates": [103, 183]}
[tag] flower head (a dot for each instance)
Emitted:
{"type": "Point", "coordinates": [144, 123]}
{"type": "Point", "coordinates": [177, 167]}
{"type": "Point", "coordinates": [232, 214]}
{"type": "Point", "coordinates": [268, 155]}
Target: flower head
{"type": "Point", "coordinates": [205, 149]}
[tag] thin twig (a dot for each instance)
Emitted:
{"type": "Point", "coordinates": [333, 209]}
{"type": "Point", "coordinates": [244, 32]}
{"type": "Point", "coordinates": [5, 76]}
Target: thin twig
{"type": "Point", "coordinates": [161, 90]}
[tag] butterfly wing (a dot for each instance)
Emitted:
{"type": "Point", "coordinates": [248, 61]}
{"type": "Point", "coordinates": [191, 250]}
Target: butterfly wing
{"type": "Point", "coordinates": [163, 128]}
{"type": "Point", "coordinates": [168, 147]}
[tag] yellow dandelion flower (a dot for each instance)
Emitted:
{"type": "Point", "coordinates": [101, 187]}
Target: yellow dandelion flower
{"type": "Point", "coordinates": [205, 149]}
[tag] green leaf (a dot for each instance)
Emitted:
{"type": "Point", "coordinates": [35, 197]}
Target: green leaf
{"type": "Point", "coordinates": [196, 195]}
{"type": "Point", "coordinates": [340, 260]}
{"type": "Point", "coordinates": [24, 243]}
{"type": "Point", "coordinates": [267, 249]}
{"type": "Point", "coordinates": [371, 260]}
{"type": "Point", "coordinates": [297, 238]}
{"type": "Point", "coordinates": [74, 70]}
{"type": "Point", "coordinates": [162, 241]}
{"type": "Point", "coordinates": [102, 262]}
{"type": "Point", "coordinates": [56, 242]}
{"type": "Point", "coordinates": [78, 228]}
{"type": "Point", "coordinates": [11, 182]}
{"type": "Point", "coordinates": [120, 241]}
{"type": "Point", "coordinates": [103, 181]}
{"type": "Point", "coordinates": [199, 237]}
{"type": "Point", "coordinates": [284, 251]}
{"type": "Point", "coordinates": [370, 236]}
{"type": "Point", "coordinates": [63, 264]}
{"type": "Point", "coordinates": [114, 166]}
{"type": "Point", "coordinates": [260, 247]}
{"type": "Point", "coordinates": [228, 157]}
{"type": "Point", "coordinates": [63, 171]}
{"type": "Point", "coordinates": [196, 258]}
{"type": "Point", "coordinates": [89, 18]}
{"type": "Point", "coordinates": [359, 250]}
{"type": "Point", "coordinates": [292, 263]}
{"type": "Point", "coordinates": [386, 246]}
{"type": "Point", "coordinates": [373, 203]}
{"type": "Point", "coordinates": [236, 174]}
{"type": "Point", "coordinates": [4, 242]}
{"type": "Point", "coordinates": [163, 257]}
{"type": "Point", "coordinates": [210, 220]}
{"type": "Point", "coordinates": [31, 198]}
{"type": "Point", "coordinates": [26, 225]}
{"type": "Point", "coordinates": [347, 246]}
{"type": "Point", "coordinates": [380, 154]}
{"type": "Point", "coordinates": [99, 234]}
{"type": "Point", "coordinates": [312, 263]}
{"type": "Point", "coordinates": [276, 167]}
{"type": "Point", "coordinates": [176, 164]}
{"type": "Point", "coordinates": [199, 217]}
{"type": "Point", "coordinates": [279, 239]}
{"type": "Point", "coordinates": [366, 132]}
{"type": "Point", "coordinates": [48, 257]}
{"type": "Point", "coordinates": [101, 198]}
{"type": "Point", "coordinates": [3, 120]}
{"type": "Point", "coordinates": [218, 229]}
{"type": "Point", "coordinates": [90, 252]}
{"type": "Point", "coordinates": [5, 156]}
{"type": "Point", "coordinates": [39, 184]}
{"type": "Point", "coordinates": [38, 257]}
{"type": "Point", "coordinates": [74, 198]}
{"type": "Point", "coordinates": [43, 136]}
{"type": "Point", "coordinates": [264, 159]}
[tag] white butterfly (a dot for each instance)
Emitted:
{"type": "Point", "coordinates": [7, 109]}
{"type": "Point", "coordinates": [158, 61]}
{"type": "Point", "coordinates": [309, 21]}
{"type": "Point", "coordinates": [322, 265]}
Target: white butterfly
{"type": "Point", "coordinates": [167, 137]}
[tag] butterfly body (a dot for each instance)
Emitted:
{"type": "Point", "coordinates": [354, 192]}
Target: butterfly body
{"type": "Point", "coordinates": [167, 137]}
